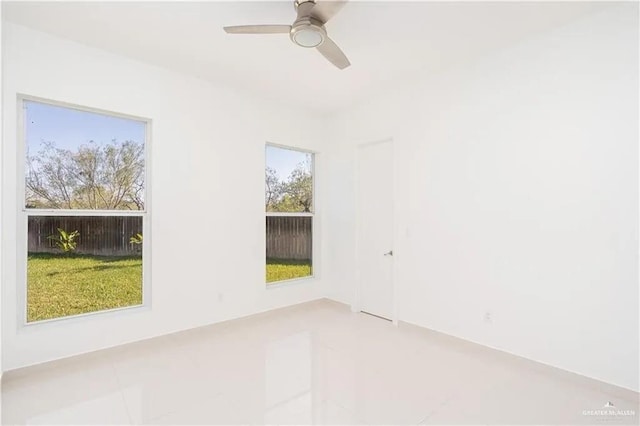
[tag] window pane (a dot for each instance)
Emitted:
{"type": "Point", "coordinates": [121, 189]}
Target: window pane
{"type": "Point", "coordinates": [289, 246]}
{"type": "Point", "coordinates": [80, 264]}
{"type": "Point", "coordinates": [288, 180]}
{"type": "Point", "coordinates": [82, 160]}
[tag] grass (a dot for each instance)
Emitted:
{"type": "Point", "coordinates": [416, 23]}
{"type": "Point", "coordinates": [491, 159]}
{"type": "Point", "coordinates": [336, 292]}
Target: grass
{"type": "Point", "coordinates": [287, 269]}
{"type": "Point", "coordinates": [61, 285]}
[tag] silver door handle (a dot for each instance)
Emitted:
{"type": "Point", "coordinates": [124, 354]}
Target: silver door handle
{"type": "Point", "coordinates": [389, 253]}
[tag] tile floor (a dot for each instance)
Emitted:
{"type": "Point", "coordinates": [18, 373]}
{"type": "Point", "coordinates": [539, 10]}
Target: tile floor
{"type": "Point", "coordinates": [316, 363]}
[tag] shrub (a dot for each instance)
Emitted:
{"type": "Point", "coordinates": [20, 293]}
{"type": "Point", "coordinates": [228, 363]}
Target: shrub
{"type": "Point", "coordinates": [65, 241]}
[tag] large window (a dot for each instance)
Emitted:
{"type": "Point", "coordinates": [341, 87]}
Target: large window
{"type": "Point", "coordinates": [289, 205]}
{"type": "Point", "coordinates": [85, 210]}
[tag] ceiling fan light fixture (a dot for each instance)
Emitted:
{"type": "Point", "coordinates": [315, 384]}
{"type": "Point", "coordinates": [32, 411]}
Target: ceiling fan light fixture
{"type": "Point", "coordinates": [307, 36]}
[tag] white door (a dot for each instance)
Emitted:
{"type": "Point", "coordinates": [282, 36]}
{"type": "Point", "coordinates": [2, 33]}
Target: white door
{"type": "Point", "coordinates": [375, 228]}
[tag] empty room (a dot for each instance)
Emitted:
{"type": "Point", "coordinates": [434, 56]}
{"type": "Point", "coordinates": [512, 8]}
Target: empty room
{"type": "Point", "coordinates": [302, 212]}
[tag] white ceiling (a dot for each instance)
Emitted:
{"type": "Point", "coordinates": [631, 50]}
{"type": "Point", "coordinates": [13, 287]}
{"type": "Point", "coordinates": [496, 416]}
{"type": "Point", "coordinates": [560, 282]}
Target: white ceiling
{"type": "Point", "coordinates": [387, 42]}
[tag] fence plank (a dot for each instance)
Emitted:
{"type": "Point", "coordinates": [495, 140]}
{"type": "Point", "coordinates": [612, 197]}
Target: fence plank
{"type": "Point", "coordinates": [99, 235]}
{"type": "Point", "coordinates": [289, 237]}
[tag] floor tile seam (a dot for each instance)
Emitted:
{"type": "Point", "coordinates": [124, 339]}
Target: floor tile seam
{"type": "Point", "coordinates": [121, 392]}
{"type": "Point", "coordinates": [216, 395]}
{"type": "Point", "coordinates": [352, 411]}
{"type": "Point", "coordinates": [458, 394]}
{"type": "Point", "coordinates": [442, 405]}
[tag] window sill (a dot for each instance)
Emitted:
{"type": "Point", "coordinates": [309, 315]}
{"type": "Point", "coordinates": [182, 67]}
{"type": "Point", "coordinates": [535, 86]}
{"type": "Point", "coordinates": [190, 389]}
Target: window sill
{"type": "Point", "coordinates": [72, 319]}
{"type": "Point", "coordinates": [287, 283]}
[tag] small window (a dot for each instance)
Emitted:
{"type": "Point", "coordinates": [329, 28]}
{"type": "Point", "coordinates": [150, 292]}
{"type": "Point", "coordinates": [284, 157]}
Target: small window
{"type": "Point", "coordinates": [85, 210]}
{"type": "Point", "coordinates": [289, 204]}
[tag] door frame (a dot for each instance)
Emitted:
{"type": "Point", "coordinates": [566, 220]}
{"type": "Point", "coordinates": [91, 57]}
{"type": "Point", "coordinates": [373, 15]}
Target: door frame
{"type": "Point", "coordinates": [356, 305]}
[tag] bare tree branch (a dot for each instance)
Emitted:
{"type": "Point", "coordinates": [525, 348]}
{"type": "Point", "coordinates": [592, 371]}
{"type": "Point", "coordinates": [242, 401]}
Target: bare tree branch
{"type": "Point", "coordinates": [109, 176]}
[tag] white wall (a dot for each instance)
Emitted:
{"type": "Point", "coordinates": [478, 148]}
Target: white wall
{"type": "Point", "coordinates": [1, 209]}
{"type": "Point", "coordinates": [517, 193]}
{"type": "Point", "coordinates": [208, 171]}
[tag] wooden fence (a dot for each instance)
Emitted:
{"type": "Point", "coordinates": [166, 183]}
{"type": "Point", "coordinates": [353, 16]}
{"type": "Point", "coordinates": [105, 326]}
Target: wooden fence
{"type": "Point", "coordinates": [289, 237]}
{"type": "Point", "coordinates": [104, 236]}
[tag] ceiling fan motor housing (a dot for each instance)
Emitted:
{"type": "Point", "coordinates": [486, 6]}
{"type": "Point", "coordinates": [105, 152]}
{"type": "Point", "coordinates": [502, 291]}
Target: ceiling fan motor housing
{"type": "Point", "coordinates": [297, 3]}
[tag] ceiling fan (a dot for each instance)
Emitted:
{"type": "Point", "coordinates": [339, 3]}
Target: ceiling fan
{"type": "Point", "coordinates": [307, 30]}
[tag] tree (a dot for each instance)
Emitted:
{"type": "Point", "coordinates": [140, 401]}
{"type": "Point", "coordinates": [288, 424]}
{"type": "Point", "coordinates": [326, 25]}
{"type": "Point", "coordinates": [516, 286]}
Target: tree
{"type": "Point", "coordinates": [109, 176]}
{"type": "Point", "coordinates": [293, 195]}
{"type": "Point", "coordinates": [272, 188]}
{"type": "Point", "coordinates": [299, 189]}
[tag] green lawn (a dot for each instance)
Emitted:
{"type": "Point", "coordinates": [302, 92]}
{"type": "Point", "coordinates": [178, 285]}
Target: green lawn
{"type": "Point", "coordinates": [279, 269]}
{"type": "Point", "coordinates": [61, 285]}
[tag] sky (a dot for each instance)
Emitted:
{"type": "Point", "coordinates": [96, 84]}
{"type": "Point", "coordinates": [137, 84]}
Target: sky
{"type": "Point", "coordinates": [70, 128]}
{"type": "Point", "coordinates": [284, 161]}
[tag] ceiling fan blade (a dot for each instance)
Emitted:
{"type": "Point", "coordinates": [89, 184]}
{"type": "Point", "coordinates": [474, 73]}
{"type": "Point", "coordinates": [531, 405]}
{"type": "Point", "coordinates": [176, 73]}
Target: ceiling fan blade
{"type": "Point", "coordinates": [258, 29]}
{"type": "Point", "coordinates": [332, 52]}
{"type": "Point", "coordinates": [325, 10]}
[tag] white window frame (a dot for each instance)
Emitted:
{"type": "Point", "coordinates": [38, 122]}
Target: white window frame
{"type": "Point", "coordinates": [312, 215]}
{"type": "Point", "coordinates": [24, 214]}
